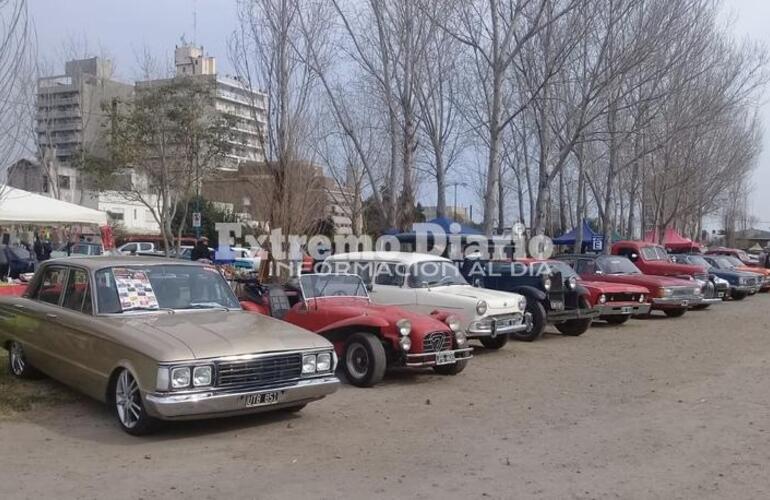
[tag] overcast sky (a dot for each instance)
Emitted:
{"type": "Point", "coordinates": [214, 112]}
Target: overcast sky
{"type": "Point", "coordinates": [122, 28]}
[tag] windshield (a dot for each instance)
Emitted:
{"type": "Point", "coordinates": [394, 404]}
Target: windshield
{"type": "Point", "coordinates": [434, 273]}
{"type": "Point", "coordinates": [697, 260]}
{"type": "Point", "coordinates": [616, 265]}
{"type": "Point", "coordinates": [332, 285]}
{"type": "Point", "coordinates": [143, 288]}
{"type": "Point", "coordinates": [562, 267]}
{"type": "Point", "coordinates": [734, 261]}
{"type": "Point", "coordinates": [654, 253]}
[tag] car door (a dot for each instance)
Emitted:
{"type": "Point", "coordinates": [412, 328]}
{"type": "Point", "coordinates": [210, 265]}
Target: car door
{"type": "Point", "coordinates": [82, 349]}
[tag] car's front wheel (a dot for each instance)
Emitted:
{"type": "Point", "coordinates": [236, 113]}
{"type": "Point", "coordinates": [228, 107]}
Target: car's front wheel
{"type": "Point", "coordinates": [18, 366]}
{"type": "Point", "coordinates": [128, 407]}
{"type": "Point", "coordinates": [537, 326]}
{"type": "Point", "coordinates": [365, 360]}
{"type": "Point", "coordinates": [738, 295]}
{"type": "Point", "coordinates": [494, 342]}
{"type": "Point", "coordinates": [675, 313]}
{"type": "Point", "coordinates": [452, 369]}
{"type": "Point", "coordinates": [617, 319]}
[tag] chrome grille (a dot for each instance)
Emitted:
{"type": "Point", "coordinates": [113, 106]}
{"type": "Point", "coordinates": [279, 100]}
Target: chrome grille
{"type": "Point", "coordinates": [682, 292]}
{"type": "Point", "coordinates": [437, 342]}
{"type": "Point", "coordinates": [702, 277]}
{"type": "Point", "coordinates": [259, 371]}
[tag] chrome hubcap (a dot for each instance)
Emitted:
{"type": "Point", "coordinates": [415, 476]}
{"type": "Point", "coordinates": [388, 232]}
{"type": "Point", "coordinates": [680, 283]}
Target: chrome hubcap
{"type": "Point", "coordinates": [357, 360]}
{"type": "Point", "coordinates": [127, 400]}
{"type": "Point", "coordinates": [17, 359]}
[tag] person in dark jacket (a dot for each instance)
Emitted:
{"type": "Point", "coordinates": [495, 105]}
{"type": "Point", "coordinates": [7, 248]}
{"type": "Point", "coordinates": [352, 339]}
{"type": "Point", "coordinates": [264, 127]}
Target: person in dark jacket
{"type": "Point", "coordinates": [201, 250]}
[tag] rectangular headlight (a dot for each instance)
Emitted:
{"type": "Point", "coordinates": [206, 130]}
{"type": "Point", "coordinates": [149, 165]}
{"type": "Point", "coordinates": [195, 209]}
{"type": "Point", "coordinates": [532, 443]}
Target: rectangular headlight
{"type": "Point", "coordinates": [324, 362]}
{"type": "Point", "coordinates": [180, 377]}
{"type": "Point", "coordinates": [308, 364]}
{"type": "Point", "coordinates": [202, 376]}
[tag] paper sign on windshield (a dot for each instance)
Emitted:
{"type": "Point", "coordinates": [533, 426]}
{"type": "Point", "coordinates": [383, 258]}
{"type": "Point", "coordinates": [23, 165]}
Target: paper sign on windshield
{"type": "Point", "coordinates": [134, 289]}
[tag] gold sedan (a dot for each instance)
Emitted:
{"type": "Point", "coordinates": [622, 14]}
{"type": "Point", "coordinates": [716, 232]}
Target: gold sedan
{"type": "Point", "coordinates": [160, 339]}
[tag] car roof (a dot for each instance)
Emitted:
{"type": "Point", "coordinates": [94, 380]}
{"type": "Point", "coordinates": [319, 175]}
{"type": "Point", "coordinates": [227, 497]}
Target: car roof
{"type": "Point", "coordinates": [101, 261]}
{"type": "Point", "coordinates": [407, 258]}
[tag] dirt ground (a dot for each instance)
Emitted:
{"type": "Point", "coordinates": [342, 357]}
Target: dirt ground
{"type": "Point", "coordinates": [657, 408]}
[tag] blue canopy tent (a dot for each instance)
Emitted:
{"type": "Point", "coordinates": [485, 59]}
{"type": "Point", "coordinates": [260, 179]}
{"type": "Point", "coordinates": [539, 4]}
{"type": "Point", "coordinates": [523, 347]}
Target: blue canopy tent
{"type": "Point", "coordinates": [570, 237]}
{"type": "Point", "coordinates": [444, 223]}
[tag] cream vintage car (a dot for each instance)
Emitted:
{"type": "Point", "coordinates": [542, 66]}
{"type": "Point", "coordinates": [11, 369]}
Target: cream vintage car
{"type": "Point", "coordinates": [427, 283]}
{"type": "Point", "coordinates": [160, 339]}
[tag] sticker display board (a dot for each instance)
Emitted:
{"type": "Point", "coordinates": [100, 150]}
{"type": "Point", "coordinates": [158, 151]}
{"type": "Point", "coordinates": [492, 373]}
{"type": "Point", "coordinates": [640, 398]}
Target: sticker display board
{"type": "Point", "coordinates": [134, 289]}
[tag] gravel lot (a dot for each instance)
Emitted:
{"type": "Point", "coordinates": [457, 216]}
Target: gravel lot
{"type": "Point", "coordinates": [657, 408]}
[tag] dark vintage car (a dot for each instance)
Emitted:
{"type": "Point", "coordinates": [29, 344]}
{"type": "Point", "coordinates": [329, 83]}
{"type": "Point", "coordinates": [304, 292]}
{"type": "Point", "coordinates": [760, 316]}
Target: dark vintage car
{"type": "Point", "coordinates": [158, 339]}
{"type": "Point", "coordinates": [742, 283]}
{"type": "Point", "coordinates": [551, 297]}
{"type": "Point", "coordinates": [725, 282]}
{"type": "Point", "coordinates": [671, 295]}
{"type": "Point", "coordinates": [367, 337]}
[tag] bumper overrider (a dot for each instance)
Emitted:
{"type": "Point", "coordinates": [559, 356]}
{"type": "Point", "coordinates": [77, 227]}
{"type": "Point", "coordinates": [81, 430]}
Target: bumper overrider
{"type": "Point", "coordinates": [499, 325]}
{"type": "Point", "coordinates": [624, 308]}
{"type": "Point", "coordinates": [574, 313]}
{"type": "Point", "coordinates": [224, 402]}
{"type": "Point", "coordinates": [677, 302]}
{"type": "Point", "coordinates": [420, 360]}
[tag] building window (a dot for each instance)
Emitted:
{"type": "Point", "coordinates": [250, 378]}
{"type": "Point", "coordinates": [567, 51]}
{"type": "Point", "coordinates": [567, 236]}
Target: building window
{"type": "Point", "coordinates": [64, 182]}
{"type": "Point", "coordinates": [115, 215]}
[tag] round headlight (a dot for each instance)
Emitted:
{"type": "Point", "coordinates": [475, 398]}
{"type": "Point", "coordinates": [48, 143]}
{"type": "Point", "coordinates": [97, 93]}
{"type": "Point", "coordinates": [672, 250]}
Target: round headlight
{"type": "Point", "coordinates": [522, 303]}
{"type": "Point", "coordinates": [481, 307]}
{"type": "Point", "coordinates": [697, 291]}
{"type": "Point", "coordinates": [405, 343]}
{"type": "Point", "coordinates": [453, 322]}
{"type": "Point", "coordinates": [572, 282]}
{"type": "Point", "coordinates": [602, 299]}
{"type": "Point", "coordinates": [547, 284]}
{"type": "Point", "coordinates": [180, 377]}
{"type": "Point", "coordinates": [461, 338]}
{"type": "Point", "coordinates": [201, 376]}
{"type": "Point", "coordinates": [665, 292]}
{"type": "Point", "coordinates": [404, 327]}
{"type": "Point", "coordinates": [641, 298]}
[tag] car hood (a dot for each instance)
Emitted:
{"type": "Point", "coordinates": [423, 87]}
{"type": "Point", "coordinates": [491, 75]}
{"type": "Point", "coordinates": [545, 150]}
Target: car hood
{"type": "Point", "coordinates": [672, 269]}
{"type": "Point", "coordinates": [650, 281]}
{"type": "Point", "coordinates": [495, 299]}
{"type": "Point", "coordinates": [210, 334]}
{"type": "Point", "coordinates": [606, 287]}
{"type": "Point", "coordinates": [345, 307]}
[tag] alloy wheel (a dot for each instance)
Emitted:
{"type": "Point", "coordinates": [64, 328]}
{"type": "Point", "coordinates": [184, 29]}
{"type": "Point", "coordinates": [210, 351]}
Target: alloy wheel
{"type": "Point", "coordinates": [357, 360]}
{"type": "Point", "coordinates": [127, 400]}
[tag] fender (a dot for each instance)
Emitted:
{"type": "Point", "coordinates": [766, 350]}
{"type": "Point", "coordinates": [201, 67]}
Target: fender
{"type": "Point", "coordinates": [529, 292]}
{"type": "Point", "coordinates": [253, 307]}
{"type": "Point", "coordinates": [583, 292]}
{"type": "Point", "coordinates": [365, 321]}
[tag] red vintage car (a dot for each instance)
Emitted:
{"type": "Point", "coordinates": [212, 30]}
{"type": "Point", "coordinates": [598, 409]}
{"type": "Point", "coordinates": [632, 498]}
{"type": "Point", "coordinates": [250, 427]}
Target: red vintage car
{"type": "Point", "coordinates": [616, 302]}
{"type": "Point", "coordinates": [739, 254]}
{"type": "Point", "coordinates": [367, 337]}
{"type": "Point", "coordinates": [673, 296]}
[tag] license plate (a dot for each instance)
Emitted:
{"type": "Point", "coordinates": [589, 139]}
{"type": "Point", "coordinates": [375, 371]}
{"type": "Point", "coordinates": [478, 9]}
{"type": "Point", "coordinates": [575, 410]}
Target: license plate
{"type": "Point", "coordinates": [626, 310]}
{"type": "Point", "coordinates": [445, 358]}
{"type": "Point", "coordinates": [261, 399]}
{"type": "Point", "coordinates": [503, 323]}
{"type": "Point", "coordinates": [557, 305]}
{"type": "Point", "coordinates": [685, 303]}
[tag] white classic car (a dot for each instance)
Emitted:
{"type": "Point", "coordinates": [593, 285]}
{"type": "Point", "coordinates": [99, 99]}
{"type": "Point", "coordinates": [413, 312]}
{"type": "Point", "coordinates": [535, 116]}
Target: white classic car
{"type": "Point", "coordinates": [428, 283]}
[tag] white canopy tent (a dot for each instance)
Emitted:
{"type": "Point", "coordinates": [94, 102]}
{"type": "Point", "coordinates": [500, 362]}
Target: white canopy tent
{"type": "Point", "coordinates": [22, 207]}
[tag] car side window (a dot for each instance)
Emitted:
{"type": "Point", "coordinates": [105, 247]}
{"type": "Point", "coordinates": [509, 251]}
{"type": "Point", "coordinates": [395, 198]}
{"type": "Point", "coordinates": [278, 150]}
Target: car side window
{"type": "Point", "coordinates": [78, 294]}
{"type": "Point", "coordinates": [51, 285]}
{"type": "Point", "coordinates": [131, 247]}
{"type": "Point", "coordinates": [145, 247]}
{"type": "Point", "coordinates": [585, 266]}
{"type": "Point", "coordinates": [390, 274]}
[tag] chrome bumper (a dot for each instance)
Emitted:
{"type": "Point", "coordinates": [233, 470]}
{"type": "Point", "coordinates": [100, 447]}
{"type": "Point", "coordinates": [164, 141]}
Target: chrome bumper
{"type": "Point", "coordinates": [675, 302]}
{"type": "Point", "coordinates": [429, 358]}
{"type": "Point", "coordinates": [713, 300]}
{"type": "Point", "coordinates": [221, 403]}
{"type": "Point", "coordinates": [744, 289]}
{"type": "Point", "coordinates": [575, 313]}
{"type": "Point", "coordinates": [632, 308]}
{"type": "Point", "coordinates": [488, 327]}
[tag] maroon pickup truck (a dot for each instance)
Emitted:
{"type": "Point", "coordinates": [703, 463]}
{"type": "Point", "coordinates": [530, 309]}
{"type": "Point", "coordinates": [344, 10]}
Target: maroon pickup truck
{"type": "Point", "coordinates": [652, 258]}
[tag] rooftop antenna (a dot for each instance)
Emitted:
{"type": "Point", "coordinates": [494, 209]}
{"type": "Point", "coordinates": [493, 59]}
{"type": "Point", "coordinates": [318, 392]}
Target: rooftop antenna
{"type": "Point", "coordinates": [195, 22]}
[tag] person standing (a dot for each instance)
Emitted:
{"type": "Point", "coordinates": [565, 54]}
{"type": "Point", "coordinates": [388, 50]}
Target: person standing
{"type": "Point", "coordinates": [201, 250]}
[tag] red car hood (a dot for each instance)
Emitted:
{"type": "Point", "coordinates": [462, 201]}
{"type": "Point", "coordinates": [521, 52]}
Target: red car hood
{"type": "Point", "coordinates": [611, 287]}
{"type": "Point", "coordinates": [649, 281]}
{"type": "Point", "coordinates": [671, 269]}
{"type": "Point", "coordinates": [352, 306]}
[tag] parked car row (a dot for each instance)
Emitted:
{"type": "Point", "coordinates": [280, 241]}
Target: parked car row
{"type": "Point", "coordinates": [168, 339]}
